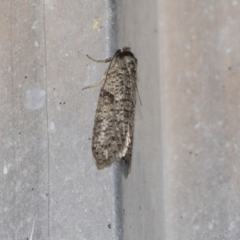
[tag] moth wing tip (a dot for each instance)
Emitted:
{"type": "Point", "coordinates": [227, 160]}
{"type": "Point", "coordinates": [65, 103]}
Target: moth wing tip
{"type": "Point", "coordinates": [101, 165]}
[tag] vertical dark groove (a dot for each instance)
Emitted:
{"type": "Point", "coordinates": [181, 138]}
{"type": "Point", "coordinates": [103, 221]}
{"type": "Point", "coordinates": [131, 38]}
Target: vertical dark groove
{"type": "Point", "coordinates": [118, 172]}
{"type": "Point", "coordinates": [111, 31]}
{"type": "Point", "coordinates": [117, 168]}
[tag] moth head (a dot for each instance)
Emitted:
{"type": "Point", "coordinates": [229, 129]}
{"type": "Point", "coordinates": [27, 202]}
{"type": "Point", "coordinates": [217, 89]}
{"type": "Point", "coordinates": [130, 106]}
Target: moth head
{"type": "Point", "coordinates": [126, 49]}
{"type": "Point", "coordinates": [127, 60]}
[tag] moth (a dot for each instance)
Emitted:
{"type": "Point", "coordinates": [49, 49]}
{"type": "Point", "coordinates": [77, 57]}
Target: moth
{"type": "Point", "coordinates": [112, 138]}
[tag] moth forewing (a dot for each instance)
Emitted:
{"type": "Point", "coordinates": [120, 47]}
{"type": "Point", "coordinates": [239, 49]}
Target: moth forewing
{"type": "Point", "coordinates": [114, 119]}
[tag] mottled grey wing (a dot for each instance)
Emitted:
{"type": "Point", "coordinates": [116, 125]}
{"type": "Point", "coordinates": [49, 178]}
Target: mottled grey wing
{"type": "Point", "coordinates": [113, 129]}
{"type": "Point", "coordinates": [104, 141]}
{"type": "Point", "coordinates": [114, 121]}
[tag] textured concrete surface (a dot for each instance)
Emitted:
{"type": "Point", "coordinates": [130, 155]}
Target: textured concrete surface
{"type": "Point", "coordinates": [24, 137]}
{"type": "Point", "coordinates": [50, 187]}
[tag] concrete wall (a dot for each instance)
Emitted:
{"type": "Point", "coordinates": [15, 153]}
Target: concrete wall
{"type": "Point", "coordinates": [50, 187]}
{"type": "Point", "coordinates": [200, 98]}
{"type": "Point", "coordinates": [184, 181]}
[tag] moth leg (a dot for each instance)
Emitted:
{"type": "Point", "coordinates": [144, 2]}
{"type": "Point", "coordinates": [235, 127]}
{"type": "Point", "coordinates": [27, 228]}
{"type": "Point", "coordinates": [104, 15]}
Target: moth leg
{"type": "Point", "coordinates": [95, 84]}
{"type": "Point", "coordinates": [128, 159]}
{"type": "Point", "coordinates": [138, 95]}
{"type": "Point", "coordinates": [102, 61]}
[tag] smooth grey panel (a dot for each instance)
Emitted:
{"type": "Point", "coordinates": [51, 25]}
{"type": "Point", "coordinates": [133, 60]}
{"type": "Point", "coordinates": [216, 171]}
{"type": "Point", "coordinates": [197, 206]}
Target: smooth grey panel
{"type": "Point", "coordinates": [142, 191]}
{"type": "Point", "coordinates": [200, 109]}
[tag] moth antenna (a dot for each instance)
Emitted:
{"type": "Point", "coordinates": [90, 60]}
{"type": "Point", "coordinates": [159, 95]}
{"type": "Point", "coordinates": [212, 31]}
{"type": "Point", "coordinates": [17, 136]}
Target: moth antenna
{"type": "Point", "coordinates": [100, 61]}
